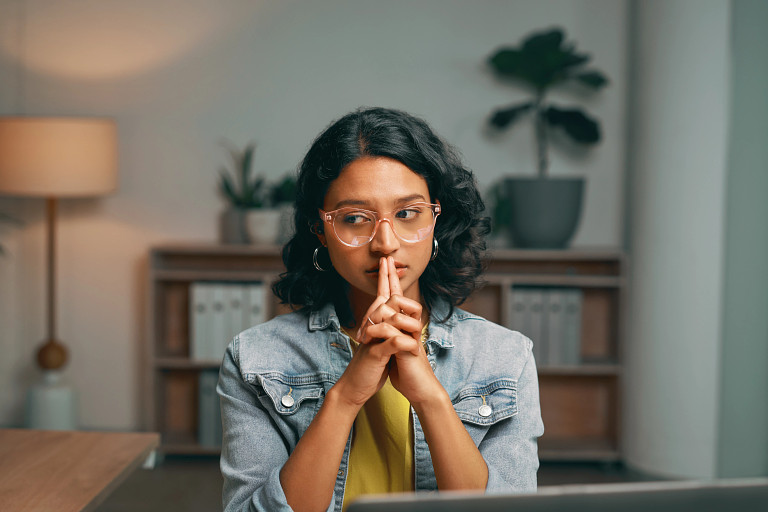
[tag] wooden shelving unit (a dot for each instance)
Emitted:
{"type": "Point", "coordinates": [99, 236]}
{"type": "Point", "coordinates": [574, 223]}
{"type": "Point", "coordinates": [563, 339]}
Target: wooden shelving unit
{"type": "Point", "coordinates": [581, 404]}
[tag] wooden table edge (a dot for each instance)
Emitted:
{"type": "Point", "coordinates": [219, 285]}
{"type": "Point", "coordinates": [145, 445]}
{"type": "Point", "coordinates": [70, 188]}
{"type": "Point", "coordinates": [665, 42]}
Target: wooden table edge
{"type": "Point", "coordinates": [154, 443]}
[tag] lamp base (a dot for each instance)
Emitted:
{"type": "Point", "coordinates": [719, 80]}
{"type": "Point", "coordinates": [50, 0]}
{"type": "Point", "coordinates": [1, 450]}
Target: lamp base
{"type": "Point", "coordinates": [51, 405]}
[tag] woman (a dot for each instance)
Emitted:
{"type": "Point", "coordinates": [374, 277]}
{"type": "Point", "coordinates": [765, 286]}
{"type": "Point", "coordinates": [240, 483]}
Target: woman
{"type": "Point", "coordinates": [377, 382]}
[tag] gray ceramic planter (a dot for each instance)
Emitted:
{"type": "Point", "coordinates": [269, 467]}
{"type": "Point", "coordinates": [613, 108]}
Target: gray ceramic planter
{"type": "Point", "coordinates": [544, 212]}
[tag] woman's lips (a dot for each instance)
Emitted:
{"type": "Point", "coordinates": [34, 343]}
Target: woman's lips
{"type": "Point", "coordinates": [374, 273]}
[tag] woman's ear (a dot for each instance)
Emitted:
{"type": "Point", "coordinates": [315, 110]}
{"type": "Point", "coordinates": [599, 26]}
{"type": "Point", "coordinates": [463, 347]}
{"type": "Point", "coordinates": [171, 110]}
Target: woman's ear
{"type": "Point", "coordinates": [317, 229]}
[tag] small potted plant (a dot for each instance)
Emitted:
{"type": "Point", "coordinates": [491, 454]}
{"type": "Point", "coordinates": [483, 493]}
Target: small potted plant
{"type": "Point", "coordinates": [252, 215]}
{"type": "Point", "coordinates": [543, 211]}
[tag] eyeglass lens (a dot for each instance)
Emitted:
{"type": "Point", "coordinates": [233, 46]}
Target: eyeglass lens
{"type": "Point", "coordinates": [356, 227]}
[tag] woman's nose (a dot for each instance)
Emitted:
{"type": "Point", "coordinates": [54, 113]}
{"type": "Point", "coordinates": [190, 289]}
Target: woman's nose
{"type": "Point", "coordinates": [385, 240]}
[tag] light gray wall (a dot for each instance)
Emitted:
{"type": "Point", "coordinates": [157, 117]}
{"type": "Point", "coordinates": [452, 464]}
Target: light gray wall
{"type": "Point", "coordinates": [180, 76]}
{"type": "Point", "coordinates": [743, 447]}
{"type": "Point", "coordinates": [679, 127]}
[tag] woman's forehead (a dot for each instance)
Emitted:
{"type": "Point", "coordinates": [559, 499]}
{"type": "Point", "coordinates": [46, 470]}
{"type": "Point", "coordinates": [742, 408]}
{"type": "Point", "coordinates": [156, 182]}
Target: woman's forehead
{"type": "Point", "coordinates": [375, 182]}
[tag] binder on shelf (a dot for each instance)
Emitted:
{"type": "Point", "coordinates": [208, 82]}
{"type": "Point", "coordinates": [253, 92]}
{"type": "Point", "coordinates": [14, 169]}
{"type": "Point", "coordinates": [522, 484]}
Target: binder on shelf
{"type": "Point", "coordinates": [256, 302]}
{"type": "Point", "coordinates": [219, 317]}
{"type": "Point", "coordinates": [554, 305]}
{"type": "Point", "coordinates": [235, 311]}
{"type": "Point", "coordinates": [518, 316]}
{"type": "Point", "coordinates": [572, 311]}
{"type": "Point", "coordinates": [209, 411]}
{"type": "Point", "coordinates": [527, 317]}
{"type": "Point", "coordinates": [537, 327]}
{"type": "Point", "coordinates": [200, 298]}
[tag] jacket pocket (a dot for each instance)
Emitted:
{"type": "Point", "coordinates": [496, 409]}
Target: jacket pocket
{"type": "Point", "coordinates": [485, 405]}
{"type": "Point", "coordinates": [289, 393]}
{"type": "Point", "coordinates": [292, 400]}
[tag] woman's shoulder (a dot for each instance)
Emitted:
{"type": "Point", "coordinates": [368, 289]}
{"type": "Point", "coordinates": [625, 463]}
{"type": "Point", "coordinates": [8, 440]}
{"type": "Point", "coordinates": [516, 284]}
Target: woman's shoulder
{"type": "Point", "coordinates": [484, 331]}
{"type": "Point", "coordinates": [274, 343]}
{"type": "Point", "coordinates": [477, 342]}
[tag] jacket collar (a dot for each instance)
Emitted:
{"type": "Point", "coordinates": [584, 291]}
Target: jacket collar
{"type": "Point", "coordinates": [323, 318]}
{"type": "Point", "coordinates": [440, 333]}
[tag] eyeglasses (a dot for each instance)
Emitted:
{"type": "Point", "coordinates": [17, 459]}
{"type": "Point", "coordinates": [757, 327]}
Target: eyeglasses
{"type": "Point", "coordinates": [356, 227]}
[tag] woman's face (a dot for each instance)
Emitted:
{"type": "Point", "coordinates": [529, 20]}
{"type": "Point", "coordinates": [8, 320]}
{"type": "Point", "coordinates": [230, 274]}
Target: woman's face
{"type": "Point", "coordinates": [378, 184]}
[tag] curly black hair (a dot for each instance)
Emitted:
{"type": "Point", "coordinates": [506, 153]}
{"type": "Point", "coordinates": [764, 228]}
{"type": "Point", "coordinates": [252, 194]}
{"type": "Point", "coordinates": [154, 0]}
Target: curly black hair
{"type": "Point", "coordinates": [460, 229]}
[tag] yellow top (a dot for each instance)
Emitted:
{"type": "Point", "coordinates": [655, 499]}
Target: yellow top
{"type": "Point", "coordinates": [381, 456]}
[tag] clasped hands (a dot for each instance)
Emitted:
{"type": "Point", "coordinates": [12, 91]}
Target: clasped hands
{"type": "Point", "coordinates": [390, 345]}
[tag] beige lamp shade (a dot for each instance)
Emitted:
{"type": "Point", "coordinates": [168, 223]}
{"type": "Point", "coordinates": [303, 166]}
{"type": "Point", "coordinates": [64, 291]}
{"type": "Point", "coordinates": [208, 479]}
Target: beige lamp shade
{"type": "Point", "coordinates": [57, 157]}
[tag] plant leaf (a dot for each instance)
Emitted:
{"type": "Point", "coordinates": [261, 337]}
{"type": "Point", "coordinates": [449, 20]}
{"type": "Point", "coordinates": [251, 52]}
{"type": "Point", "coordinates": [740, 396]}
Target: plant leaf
{"type": "Point", "coordinates": [246, 159]}
{"type": "Point", "coordinates": [503, 117]}
{"type": "Point", "coordinates": [593, 79]}
{"type": "Point", "coordinates": [542, 60]}
{"type": "Point", "coordinates": [506, 61]}
{"type": "Point", "coordinates": [580, 127]}
{"type": "Point", "coordinates": [226, 187]}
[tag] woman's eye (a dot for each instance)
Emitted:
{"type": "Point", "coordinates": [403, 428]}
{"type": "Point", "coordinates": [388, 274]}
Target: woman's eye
{"type": "Point", "coordinates": [355, 218]}
{"type": "Point", "coordinates": [408, 213]}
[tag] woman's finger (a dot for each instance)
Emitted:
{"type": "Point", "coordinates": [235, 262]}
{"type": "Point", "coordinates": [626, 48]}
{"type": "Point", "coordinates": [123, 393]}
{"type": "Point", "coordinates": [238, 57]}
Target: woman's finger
{"type": "Point", "coordinates": [394, 281]}
{"type": "Point", "coordinates": [393, 324]}
{"type": "Point", "coordinates": [368, 320]}
{"type": "Point", "coordinates": [384, 286]}
{"type": "Point", "coordinates": [405, 305]}
{"type": "Point", "coordinates": [394, 345]}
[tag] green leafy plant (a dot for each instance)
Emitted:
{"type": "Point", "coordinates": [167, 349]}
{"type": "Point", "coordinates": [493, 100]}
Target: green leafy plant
{"type": "Point", "coordinates": [543, 61]}
{"type": "Point", "coordinates": [245, 191]}
{"type": "Point", "coordinates": [284, 191]}
{"type": "Point", "coordinates": [240, 188]}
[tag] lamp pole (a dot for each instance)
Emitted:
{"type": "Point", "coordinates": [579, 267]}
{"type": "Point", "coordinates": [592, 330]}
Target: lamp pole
{"type": "Point", "coordinates": [52, 355]}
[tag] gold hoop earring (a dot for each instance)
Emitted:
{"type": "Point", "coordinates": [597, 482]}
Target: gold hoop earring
{"type": "Point", "coordinates": [315, 263]}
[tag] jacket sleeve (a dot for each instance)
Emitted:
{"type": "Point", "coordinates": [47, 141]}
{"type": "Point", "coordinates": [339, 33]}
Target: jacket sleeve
{"type": "Point", "coordinates": [252, 451]}
{"type": "Point", "coordinates": [510, 447]}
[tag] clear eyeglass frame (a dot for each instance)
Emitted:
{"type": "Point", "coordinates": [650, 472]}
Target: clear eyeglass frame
{"type": "Point", "coordinates": [329, 217]}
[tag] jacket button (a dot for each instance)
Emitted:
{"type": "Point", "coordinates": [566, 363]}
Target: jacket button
{"type": "Point", "coordinates": [485, 410]}
{"type": "Point", "coordinates": [287, 401]}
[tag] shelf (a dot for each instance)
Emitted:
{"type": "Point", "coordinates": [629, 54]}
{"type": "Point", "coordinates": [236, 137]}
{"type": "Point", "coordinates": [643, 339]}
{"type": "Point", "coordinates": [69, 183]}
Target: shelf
{"type": "Point", "coordinates": [559, 281]}
{"type": "Point", "coordinates": [585, 254]}
{"type": "Point", "coordinates": [586, 370]}
{"type": "Point", "coordinates": [214, 275]}
{"type": "Point", "coordinates": [183, 363]}
{"type": "Point", "coordinates": [567, 281]}
{"type": "Point", "coordinates": [580, 404]}
{"type": "Point", "coordinates": [578, 450]}
{"type": "Point", "coordinates": [189, 449]}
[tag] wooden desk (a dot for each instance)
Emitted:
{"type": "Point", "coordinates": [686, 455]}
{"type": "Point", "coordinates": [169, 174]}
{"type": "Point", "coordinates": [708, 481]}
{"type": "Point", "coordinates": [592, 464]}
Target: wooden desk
{"type": "Point", "coordinates": [66, 470]}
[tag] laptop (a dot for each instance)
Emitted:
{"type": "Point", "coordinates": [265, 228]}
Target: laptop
{"type": "Point", "coordinates": [742, 495]}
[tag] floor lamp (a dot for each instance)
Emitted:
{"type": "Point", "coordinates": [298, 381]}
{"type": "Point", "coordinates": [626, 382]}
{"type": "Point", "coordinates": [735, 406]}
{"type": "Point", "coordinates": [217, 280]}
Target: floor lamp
{"type": "Point", "coordinates": [55, 158]}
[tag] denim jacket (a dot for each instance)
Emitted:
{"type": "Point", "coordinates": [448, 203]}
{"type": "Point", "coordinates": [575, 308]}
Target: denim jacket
{"type": "Point", "coordinates": [275, 375]}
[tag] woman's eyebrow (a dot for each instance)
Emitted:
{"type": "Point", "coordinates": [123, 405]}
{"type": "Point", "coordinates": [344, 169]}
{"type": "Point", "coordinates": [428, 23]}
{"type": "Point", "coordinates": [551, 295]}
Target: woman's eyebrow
{"type": "Point", "coordinates": [411, 198]}
{"type": "Point", "coordinates": [360, 202]}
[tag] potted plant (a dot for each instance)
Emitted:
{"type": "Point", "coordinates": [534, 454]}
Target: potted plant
{"type": "Point", "coordinates": [544, 211]}
{"type": "Point", "coordinates": [252, 215]}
